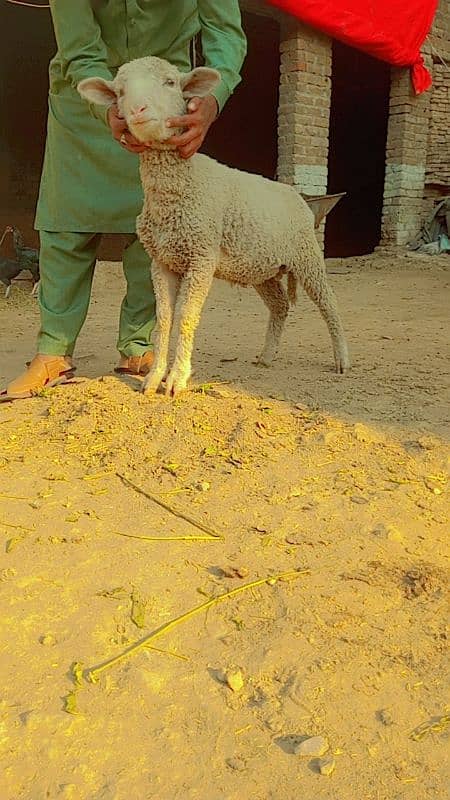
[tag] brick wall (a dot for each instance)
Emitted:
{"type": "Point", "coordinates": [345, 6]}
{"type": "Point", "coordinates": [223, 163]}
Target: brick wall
{"type": "Point", "coordinates": [304, 110]}
{"type": "Point", "coordinates": [439, 38]}
{"type": "Point", "coordinates": [437, 173]}
{"type": "Point", "coordinates": [418, 141]}
{"type": "Point", "coordinates": [438, 155]}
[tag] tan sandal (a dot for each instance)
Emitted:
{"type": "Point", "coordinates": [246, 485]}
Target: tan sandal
{"type": "Point", "coordinates": [42, 373]}
{"type": "Point", "coordinates": [135, 365]}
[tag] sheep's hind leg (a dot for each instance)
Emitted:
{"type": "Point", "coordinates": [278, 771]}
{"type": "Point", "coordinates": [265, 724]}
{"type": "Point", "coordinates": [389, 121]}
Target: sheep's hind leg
{"type": "Point", "coordinates": [320, 292]}
{"type": "Point", "coordinates": [273, 293]}
{"type": "Point", "coordinates": [166, 285]}
{"type": "Point", "coordinates": [193, 292]}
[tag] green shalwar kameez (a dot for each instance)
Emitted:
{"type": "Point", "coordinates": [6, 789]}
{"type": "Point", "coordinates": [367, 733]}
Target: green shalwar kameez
{"type": "Point", "coordinates": [90, 185]}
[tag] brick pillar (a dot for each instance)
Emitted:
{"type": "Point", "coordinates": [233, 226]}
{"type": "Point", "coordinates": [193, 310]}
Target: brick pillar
{"type": "Point", "coordinates": [406, 156]}
{"type": "Point", "coordinates": [304, 110]}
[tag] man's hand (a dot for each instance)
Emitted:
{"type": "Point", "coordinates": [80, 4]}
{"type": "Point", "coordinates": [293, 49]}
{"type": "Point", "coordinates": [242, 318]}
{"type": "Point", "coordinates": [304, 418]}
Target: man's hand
{"type": "Point", "coordinates": [202, 113]}
{"type": "Point", "coordinates": [121, 133]}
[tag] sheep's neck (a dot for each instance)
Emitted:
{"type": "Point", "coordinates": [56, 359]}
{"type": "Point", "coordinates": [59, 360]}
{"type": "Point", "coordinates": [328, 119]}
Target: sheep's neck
{"type": "Point", "coordinates": [164, 172]}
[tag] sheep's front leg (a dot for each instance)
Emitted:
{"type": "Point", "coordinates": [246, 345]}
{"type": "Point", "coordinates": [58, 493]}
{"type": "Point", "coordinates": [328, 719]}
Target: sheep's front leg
{"type": "Point", "coordinates": [165, 284]}
{"type": "Point", "coordinates": [193, 292]}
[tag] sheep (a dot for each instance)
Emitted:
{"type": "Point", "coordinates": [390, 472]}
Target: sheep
{"type": "Point", "coordinates": [202, 219]}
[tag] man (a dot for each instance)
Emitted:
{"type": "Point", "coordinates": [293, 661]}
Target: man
{"type": "Point", "coordinates": [90, 182]}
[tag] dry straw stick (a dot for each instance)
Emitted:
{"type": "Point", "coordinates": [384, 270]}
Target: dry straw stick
{"type": "Point", "coordinates": [437, 725]}
{"type": "Point", "coordinates": [206, 538]}
{"type": "Point", "coordinates": [94, 673]}
{"type": "Point", "coordinates": [16, 527]}
{"type": "Point", "coordinates": [196, 523]}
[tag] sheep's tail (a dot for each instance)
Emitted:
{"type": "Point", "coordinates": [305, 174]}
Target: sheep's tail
{"type": "Point", "coordinates": [292, 288]}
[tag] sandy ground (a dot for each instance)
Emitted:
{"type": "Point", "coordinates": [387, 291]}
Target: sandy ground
{"type": "Point", "coordinates": [343, 479]}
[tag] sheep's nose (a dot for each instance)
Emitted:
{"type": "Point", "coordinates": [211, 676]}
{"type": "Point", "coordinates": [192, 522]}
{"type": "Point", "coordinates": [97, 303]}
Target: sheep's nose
{"type": "Point", "coordinates": [136, 111]}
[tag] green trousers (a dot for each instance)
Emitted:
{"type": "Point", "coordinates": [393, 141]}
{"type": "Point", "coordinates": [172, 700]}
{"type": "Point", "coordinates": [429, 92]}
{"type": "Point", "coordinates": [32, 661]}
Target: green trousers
{"type": "Point", "coordinates": [67, 262]}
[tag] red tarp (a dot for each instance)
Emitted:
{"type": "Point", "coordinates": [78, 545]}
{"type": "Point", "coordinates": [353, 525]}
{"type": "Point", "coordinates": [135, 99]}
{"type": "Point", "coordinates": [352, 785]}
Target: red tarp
{"type": "Point", "coordinates": [392, 30]}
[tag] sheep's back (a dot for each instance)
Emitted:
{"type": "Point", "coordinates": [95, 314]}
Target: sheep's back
{"type": "Point", "coordinates": [265, 223]}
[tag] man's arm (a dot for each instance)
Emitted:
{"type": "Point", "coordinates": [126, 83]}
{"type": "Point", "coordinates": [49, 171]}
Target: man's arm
{"type": "Point", "coordinates": [224, 43]}
{"type": "Point", "coordinates": [80, 46]}
{"type": "Point", "coordinates": [224, 49]}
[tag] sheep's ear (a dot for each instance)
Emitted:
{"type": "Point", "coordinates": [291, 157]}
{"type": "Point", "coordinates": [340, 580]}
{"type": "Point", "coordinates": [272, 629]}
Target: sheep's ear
{"type": "Point", "coordinates": [98, 91]}
{"type": "Point", "coordinates": [200, 82]}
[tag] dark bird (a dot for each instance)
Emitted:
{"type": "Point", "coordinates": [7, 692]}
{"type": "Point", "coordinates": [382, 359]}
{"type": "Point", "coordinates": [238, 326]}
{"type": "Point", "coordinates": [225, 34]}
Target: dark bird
{"type": "Point", "coordinates": [27, 257]}
{"type": "Point", "coordinates": [9, 269]}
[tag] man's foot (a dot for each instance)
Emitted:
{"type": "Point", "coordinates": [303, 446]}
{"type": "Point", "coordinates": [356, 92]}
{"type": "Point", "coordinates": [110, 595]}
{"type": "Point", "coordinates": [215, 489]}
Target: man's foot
{"type": "Point", "coordinates": [135, 365]}
{"type": "Point", "coordinates": [43, 372]}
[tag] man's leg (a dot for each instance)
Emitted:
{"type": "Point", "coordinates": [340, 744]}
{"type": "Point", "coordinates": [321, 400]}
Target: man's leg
{"type": "Point", "coordinates": [138, 312]}
{"type": "Point", "coordinates": [67, 263]}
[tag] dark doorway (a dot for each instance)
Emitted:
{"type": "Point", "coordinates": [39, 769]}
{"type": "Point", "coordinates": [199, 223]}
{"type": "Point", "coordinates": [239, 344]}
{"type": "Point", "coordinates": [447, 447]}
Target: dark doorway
{"type": "Point", "coordinates": [358, 129]}
{"type": "Point", "coordinates": [27, 46]}
{"type": "Point", "coordinates": [245, 135]}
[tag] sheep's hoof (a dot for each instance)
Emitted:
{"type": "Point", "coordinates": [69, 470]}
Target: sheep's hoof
{"type": "Point", "coordinates": [148, 391]}
{"type": "Point", "coordinates": [343, 364]}
{"type": "Point", "coordinates": [176, 383]}
{"type": "Point", "coordinates": [263, 360]}
{"type": "Point", "coordinates": [151, 384]}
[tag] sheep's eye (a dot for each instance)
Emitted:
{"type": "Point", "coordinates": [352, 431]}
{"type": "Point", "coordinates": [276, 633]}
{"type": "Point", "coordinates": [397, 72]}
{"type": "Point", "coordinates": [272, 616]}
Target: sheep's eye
{"type": "Point", "coordinates": [170, 82]}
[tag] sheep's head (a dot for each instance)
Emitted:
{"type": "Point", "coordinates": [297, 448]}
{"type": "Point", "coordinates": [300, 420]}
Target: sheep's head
{"type": "Point", "coordinates": [148, 91]}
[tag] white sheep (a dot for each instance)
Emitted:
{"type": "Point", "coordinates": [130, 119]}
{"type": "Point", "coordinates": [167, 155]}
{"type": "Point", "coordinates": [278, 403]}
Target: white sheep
{"type": "Point", "coordinates": [202, 220]}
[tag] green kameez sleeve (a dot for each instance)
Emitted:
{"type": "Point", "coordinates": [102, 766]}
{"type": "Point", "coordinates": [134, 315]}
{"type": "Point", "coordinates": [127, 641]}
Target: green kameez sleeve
{"type": "Point", "coordinates": [81, 49]}
{"type": "Point", "coordinates": [224, 43]}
